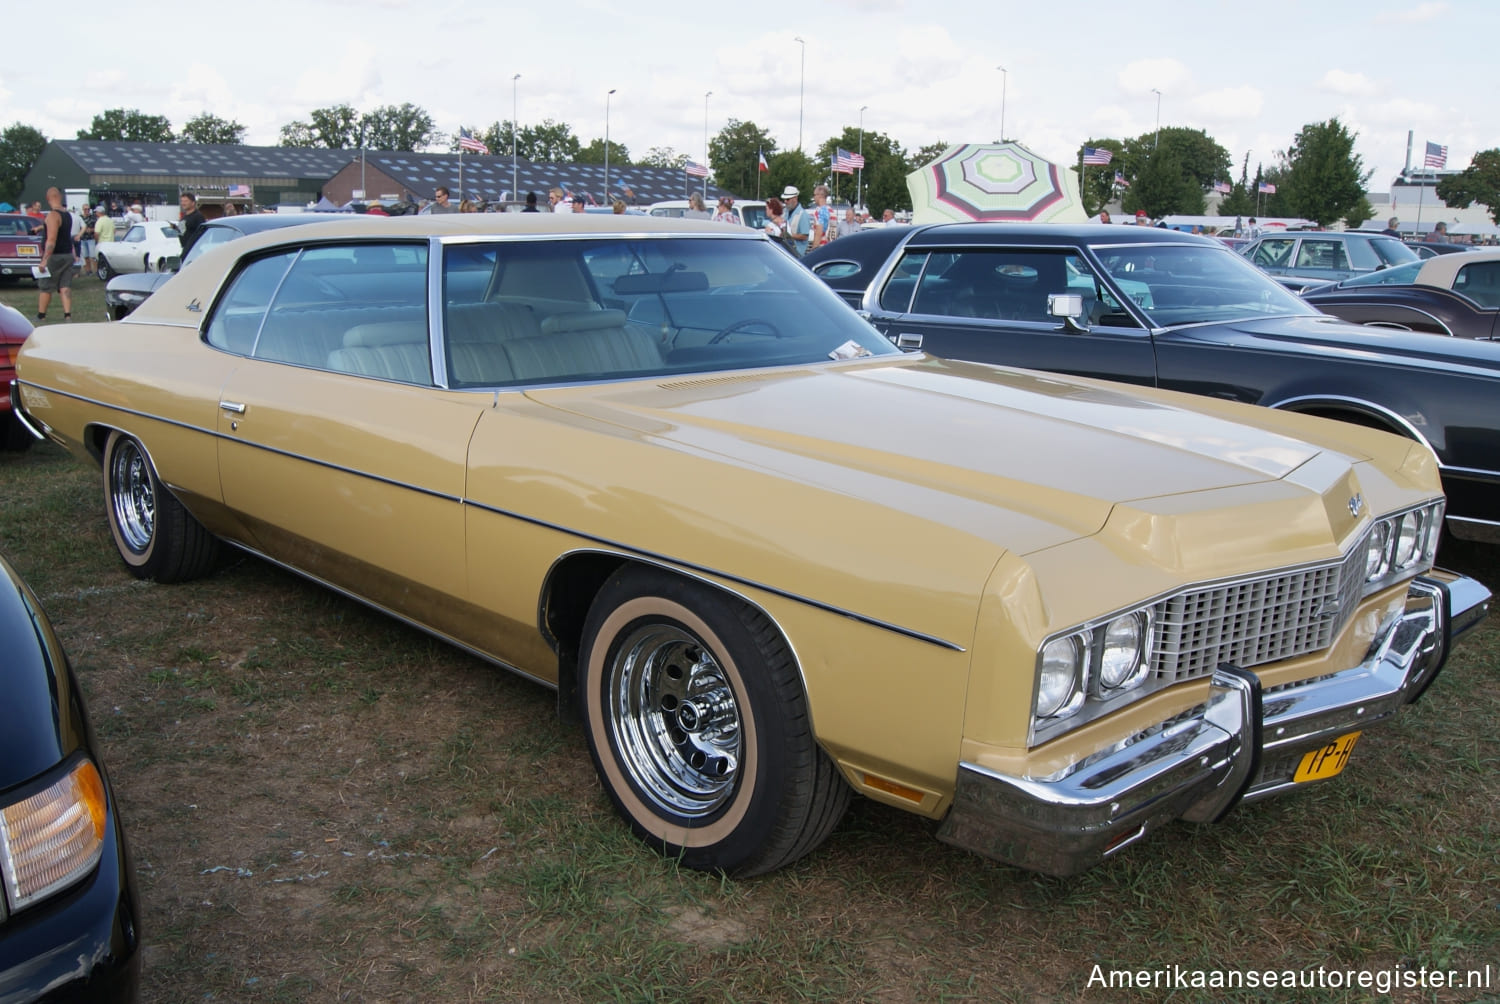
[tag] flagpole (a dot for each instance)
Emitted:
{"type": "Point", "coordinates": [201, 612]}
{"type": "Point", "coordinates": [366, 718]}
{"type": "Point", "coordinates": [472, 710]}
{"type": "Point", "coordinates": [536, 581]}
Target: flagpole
{"type": "Point", "coordinates": [1420, 189]}
{"type": "Point", "coordinates": [1081, 188]}
{"type": "Point", "coordinates": [460, 172]}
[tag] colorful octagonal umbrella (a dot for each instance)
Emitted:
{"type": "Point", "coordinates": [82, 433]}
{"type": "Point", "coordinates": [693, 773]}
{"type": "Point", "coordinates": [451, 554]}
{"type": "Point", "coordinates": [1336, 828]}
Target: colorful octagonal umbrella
{"type": "Point", "coordinates": [994, 182]}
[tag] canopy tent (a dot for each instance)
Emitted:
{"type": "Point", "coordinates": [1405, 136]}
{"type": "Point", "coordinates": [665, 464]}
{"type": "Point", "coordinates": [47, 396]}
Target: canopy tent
{"type": "Point", "coordinates": [994, 182]}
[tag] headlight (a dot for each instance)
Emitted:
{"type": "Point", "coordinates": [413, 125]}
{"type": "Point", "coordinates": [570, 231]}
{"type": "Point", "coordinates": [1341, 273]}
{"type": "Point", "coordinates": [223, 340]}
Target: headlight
{"type": "Point", "coordinates": [1377, 552]}
{"type": "Point", "coordinates": [1122, 656]}
{"type": "Point", "coordinates": [54, 837]}
{"type": "Point", "coordinates": [1401, 544]}
{"type": "Point", "coordinates": [1059, 688]}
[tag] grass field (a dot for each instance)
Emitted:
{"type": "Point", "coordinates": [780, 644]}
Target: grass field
{"type": "Point", "coordinates": [325, 805]}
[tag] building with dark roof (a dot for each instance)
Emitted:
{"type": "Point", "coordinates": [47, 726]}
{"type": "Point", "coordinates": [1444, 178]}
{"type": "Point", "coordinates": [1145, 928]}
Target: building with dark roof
{"type": "Point", "coordinates": [119, 173]}
{"type": "Point", "coordinates": [386, 175]}
{"type": "Point", "coordinates": [157, 173]}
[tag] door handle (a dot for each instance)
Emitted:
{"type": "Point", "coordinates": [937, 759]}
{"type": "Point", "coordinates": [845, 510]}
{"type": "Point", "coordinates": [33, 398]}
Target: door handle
{"type": "Point", "coordinates": [908, 340]}
{"type": "Point", "coordinates": [231, 406]}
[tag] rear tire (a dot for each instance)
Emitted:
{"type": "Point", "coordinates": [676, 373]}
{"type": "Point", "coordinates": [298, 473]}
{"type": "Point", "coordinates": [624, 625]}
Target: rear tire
{"type": "Point", "coordinates": [105, 272]}
{"type": "Point", "coordinates": [157, 538]}
{"type": "Point", "coordinates": [699, 728]}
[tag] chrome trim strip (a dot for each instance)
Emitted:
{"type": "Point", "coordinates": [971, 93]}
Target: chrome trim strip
{"type": "Point", "coordinates": [560, 528]}
{"type": "Point", "coordinates": [1469, 528]}
{"type": "Point", "coordinates": [20, 412]}
{"type": "Point", "coordinates": [393, 614]}
{"type": "Point", "coordinates": [1380, 409]}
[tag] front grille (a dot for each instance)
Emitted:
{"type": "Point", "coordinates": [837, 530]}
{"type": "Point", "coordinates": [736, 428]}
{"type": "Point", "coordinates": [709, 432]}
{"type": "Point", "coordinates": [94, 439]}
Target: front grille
{"type": "Point", "coordinates": [1251, 622]}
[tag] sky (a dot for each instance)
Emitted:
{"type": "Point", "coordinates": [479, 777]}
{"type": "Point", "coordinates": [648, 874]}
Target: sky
{"type": "Point", "coordinates": [1249, 74]}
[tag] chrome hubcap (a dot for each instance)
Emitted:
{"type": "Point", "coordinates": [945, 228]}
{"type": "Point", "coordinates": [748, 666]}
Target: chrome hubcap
{"type": "Point", "coordinates": [675, 720]}
{"type": "Point", "coordinates": [134, 501]}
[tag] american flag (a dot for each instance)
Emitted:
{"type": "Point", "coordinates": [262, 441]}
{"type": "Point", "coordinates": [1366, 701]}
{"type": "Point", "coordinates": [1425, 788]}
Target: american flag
{"type": "Point", "coordinates": [1266, 188]}
{"type": "Point", "coordinates": [695, 170]}
{"type": "Point", "coordinates": [856, 160]}
{"type": "Point", "coordinates": [1437, 156]}
{"type": "Point", "coordinates": [1223, 187]}
{"type": "Point", "coordinates": [1097, 155]}
{"type": "Point", "coordinates": [466, 141]}
{"type": "Point", "coordinates": [763, 165]}
{"type": "Point", "coordinates": [1120, 180]}
{"type": "Point", "coordinates": [842, 164]}
{"type": "Point", "coordinates": [239, 191]}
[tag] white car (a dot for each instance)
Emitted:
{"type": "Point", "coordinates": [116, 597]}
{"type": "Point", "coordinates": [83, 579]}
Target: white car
{"type": "Point", "coordinates": [146, 247]}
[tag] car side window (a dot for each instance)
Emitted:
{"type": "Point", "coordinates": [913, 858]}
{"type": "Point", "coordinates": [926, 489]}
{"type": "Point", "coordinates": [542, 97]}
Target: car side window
{"type": "Point", "coordinates": [896, 296]}
{"type": "Point", "coordinates": [1275, 252]}
{"type": "Point", "coordinates": [1004, 285]}
{"type": "Point", "coordinates": [1480, 282]}
{"type": "Point", "coordinates": [1362, 255]}
{"type": "Point", "coordinates": [135, 235]}
{"type": "Point", "coordinates": [1322, 254]}
{"type": "Point", "coordinates": [238, 315]}
{"type": "Point", "coordinates": [356, 308]}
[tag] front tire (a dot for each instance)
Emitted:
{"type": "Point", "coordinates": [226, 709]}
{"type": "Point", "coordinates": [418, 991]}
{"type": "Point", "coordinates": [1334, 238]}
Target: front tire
{"type": "Point", "coordinates": [156, 537]}
{"type": "Point", "coordinates": [105, 272]}
{"type": "Point", "coordinates": [699, 728]}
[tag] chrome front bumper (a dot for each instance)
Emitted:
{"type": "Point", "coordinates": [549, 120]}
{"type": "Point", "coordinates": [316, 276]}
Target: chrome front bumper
{"type": "Point", "coordinates": [20, 413]}
{"type": "Point", "coordinates": [1240, 744]}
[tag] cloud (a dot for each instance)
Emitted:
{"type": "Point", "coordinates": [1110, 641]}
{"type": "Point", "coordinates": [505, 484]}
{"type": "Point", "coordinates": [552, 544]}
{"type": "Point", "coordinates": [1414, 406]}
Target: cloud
{"type": "Point", "coordinates": [1421, 12]}
{"type": "Point", "coordinates": [1163, 74]}
{"type": "Point", "coordinates": [1230, 104]}
{"type": "Point", "coordinates": [1354, 85]}
{"type": "Point", "coordinates": [348, 77]}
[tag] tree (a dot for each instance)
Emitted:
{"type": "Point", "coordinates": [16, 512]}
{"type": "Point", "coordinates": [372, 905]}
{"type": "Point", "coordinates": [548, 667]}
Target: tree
{"type": "Point", "coordinates": [397, 127]}
{"type": "Point", "coordinates": [1323, 179]}
{"type": "Point", "coordinates": [1240, 201]}
{"type": "Point", "coordinates": [593, 153]}
{"type": "Point", "coordinates": [886, 168]}
{"type": "Point", "coordinates": [336, 127]}
{"type": "Point", "coordinates": [128, 124]}
{"type": "Point", "coordinates": [1163, 186]}
{"type": "Point", "coordinates": [209, 128]}
{"type": "Point", "coordinates": [928, 153]}
{"type": "Point", "coordinates": [1097, 187]}
{"type": "Point", "coordinates": [20, 146]}
{"type": "Point", "coordinates": [547, 142]}
{"type": "Point", "coordinates": [734, 155]}
{"type": "Point", "coordinates": [792, 167]}
{"type": "Point", "coordinates": [664, 156]}
{"type": "Point", "coordinates": [1479, 182]}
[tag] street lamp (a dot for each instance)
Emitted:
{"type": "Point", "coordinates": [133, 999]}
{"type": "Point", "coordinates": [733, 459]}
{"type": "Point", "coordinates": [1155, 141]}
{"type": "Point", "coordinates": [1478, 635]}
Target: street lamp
{"type": "Point", "coordinates": [1157, 141]}
{"type": "Point", "coordinates": [801, 89]}
{"type": "Point", "coordinates": [606, 142]}
{"type": "Point", "coordinates": [515, 183]}
{"type": "Point", "coordinates": [1004, 76]}
{"type": "Point", "coordinates": [859, 184]}
{"type": "Point", "coordinates": [706, 96]}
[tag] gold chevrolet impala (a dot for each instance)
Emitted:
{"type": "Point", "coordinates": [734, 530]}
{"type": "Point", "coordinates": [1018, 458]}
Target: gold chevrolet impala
{"type": "Point", "coordinates": [767, 559]}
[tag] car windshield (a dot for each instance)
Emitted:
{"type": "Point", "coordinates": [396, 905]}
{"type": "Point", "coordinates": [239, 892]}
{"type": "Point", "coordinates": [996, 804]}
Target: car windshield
{"type": "Point", "coordinates": [1399, 275]}
{"type": "Point", "coordinates": [1393, 252]}
{"type": "Point", "coordinates": [519, 312]}
{"type": "Point", "coordinates": [1193, 284]}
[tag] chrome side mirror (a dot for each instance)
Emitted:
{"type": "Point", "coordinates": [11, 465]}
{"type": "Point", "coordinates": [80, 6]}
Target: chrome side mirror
{"type": "Point", "coordinates": [1068, 307]}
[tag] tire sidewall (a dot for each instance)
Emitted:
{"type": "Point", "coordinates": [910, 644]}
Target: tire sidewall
{"type": "Point", "coordinates": [738, 828]}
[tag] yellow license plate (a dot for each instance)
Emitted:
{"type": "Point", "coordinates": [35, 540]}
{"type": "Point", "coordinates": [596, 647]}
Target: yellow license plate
{"type": "Point", "coordinates": [1327, 761]}
{"type": "Point", "coordinates": [25, 249]}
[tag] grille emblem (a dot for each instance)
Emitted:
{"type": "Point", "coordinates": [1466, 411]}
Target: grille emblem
{"type": "Point", "coordinates": [1356, 503]}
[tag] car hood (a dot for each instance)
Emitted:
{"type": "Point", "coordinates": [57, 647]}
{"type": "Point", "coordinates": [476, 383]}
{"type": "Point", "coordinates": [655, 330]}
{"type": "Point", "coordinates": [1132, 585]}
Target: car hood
{"type": "Point", "coordinates": [1319, 334]}
{"type": "Point", "coordinates": [1018, 459]}
{"type": "Point", "coordinates": [40, 720]}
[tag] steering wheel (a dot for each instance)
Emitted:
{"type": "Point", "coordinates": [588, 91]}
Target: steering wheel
{"type": "Point", "coordinates": [748, 322]}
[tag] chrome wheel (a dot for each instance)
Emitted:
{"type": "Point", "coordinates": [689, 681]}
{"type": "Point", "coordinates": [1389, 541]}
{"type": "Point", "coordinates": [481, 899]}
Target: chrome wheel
{"type": "Point", "coordinates": [676, 721]}
{"type": "Point", "coordinates": [132, 496]}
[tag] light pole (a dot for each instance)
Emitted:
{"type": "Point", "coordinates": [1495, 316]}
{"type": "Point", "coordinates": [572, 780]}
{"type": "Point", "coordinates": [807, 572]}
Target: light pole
{"type": "Point", "coordinates": [859, 184]}
{"type": "Point", "coordinates": [801, 89]}
{"type": "Point", "coordinates": [706, 96]}
{"type": "Point", "coordinates": [1004, 76]}
{"type": "Point", "coordinates": [606, 142]}
{"type": "Point", "coordinates": [515, 182]}
{"type": "Point", "coordinates": [1156, 142]}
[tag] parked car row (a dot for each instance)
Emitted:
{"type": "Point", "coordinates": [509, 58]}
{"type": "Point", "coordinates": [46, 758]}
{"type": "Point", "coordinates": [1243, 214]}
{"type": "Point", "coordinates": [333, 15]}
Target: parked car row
{"type": "Point", "coordinates": [770, 559]}
{"type": "Point", "coordinates": [1443, 295]}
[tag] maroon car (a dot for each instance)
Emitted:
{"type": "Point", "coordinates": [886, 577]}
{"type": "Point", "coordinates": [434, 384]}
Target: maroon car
{"type": "Point", "coordinates": [14, 327]}
{"type": "Point", "coordinates": [20, 249]}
